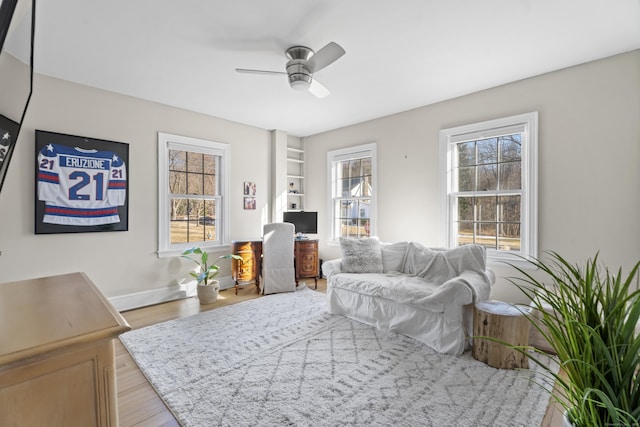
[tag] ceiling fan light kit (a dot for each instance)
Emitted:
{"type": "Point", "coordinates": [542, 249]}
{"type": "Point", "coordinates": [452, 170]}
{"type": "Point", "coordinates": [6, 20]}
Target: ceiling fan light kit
{"type": "Point", "coordinates": [299, 81]}
{"type": "Point", "coordinates": [299, 77]}
{"type": "Point", "coordinates": [302, 64]}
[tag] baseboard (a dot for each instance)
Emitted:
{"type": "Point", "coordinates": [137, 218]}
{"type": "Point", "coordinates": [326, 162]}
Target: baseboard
{"type": "Point", "coordinates": [156, 296]}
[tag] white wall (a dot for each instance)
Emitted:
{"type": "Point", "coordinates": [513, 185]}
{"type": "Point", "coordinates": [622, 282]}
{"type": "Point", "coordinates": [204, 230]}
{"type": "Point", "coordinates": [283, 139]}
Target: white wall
{"type": "Point", "coordinates": [589, 162]}
{"type": "Point", "coordinates": [119, 262]}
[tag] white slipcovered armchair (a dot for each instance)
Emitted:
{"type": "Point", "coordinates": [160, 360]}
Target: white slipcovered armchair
{"type": "Point", "coordinates": [278, 271]}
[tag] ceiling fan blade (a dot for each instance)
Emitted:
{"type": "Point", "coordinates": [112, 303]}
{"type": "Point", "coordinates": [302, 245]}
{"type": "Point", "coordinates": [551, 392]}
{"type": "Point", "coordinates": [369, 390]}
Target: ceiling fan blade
{"type": "Point", "coordinates": [249, 71]}
{"type": "Point", "coordinates": [325, 56]}
{"type": "Point", "coordinates": [318, 89]}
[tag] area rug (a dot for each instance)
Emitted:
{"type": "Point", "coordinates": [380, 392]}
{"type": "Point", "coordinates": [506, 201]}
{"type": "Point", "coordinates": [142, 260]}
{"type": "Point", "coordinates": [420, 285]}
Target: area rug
{"type": "Point", "coordinates": [283, 360]}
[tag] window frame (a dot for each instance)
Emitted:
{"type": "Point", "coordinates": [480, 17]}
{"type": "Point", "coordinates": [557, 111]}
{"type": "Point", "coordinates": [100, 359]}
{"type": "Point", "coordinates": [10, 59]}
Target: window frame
{"type": "Point", "coordinates": [166, 142]}
{"type": "Point", "coordinates": [527, 125]}
{"type": "Point", "coordinates": [345, 154]}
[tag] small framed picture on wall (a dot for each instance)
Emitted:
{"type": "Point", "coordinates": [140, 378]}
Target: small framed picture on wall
{"type": "Point", "coordinates": [250, 203]}
{"type": "Point", "coordinates": [249, 188]}
{"type": "Point", "coordinates": [82, 184]}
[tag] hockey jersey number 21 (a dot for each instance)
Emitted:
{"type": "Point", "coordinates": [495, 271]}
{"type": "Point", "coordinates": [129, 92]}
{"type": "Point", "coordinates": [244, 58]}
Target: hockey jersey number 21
{"type": "Point", "coordinates": [80, 187]}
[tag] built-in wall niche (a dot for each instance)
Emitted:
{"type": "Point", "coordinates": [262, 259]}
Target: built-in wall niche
{"type": "Point", "coordinates": [295, 178]}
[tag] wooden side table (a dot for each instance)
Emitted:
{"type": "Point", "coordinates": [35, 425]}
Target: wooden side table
{"type": "Point", "coordinates": [247, 271]}
{"type": "Point", "coordinates": [57, 363]}
{"type": "Point", "coordinates": [306, 260]}
{"type": "Point", "coordinates": [501, 321]}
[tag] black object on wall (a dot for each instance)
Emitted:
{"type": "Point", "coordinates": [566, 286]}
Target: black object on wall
{"type": "Point", "coordinates": [17, 24]}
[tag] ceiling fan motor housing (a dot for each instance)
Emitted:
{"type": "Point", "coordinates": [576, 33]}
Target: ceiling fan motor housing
{"type": "Point", "coordinates": [299, 76]}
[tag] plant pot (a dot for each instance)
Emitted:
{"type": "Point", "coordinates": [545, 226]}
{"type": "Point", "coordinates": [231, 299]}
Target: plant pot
{"type": "Point", "coordinates": [208, 294]}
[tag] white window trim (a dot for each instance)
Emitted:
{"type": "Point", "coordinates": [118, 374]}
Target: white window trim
{"type": "Point", "coordinates": [165, 140]}
{"type": "Point", "coordinates": [349, 153]}
{"type": "Point", "coordinates": [529, 209]}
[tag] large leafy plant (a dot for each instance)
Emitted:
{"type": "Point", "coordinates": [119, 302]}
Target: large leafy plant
{"type": "Point", "coordinates": [206, 272]}
{"type": "Point", "coordinates": [590, 317]}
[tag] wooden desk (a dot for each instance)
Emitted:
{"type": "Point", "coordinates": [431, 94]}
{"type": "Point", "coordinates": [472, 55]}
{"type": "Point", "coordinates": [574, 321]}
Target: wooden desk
{"type": "Point", "coordinates": [248, 270]}
{"type": "Point", "coordinates": [57, 364]}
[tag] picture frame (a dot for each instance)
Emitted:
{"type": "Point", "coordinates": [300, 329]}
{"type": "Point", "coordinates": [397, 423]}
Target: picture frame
{"type": "Point", "coordinates": [250, 203]}
{"type": "Point", "coordinates": [8, 137]}
{"type": "Point", "coordinates": [81, 184]}
{"type": "Point", "coordinates": [249, 188]}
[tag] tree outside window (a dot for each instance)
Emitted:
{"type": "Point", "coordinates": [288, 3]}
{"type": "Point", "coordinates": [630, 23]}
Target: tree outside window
{"type": "Point", "coordinates": [491, 166]}
{"type": "Point", "coordinates": [193, 184]}
{"type": "Point", "coordinates": [490, 185]}
{"type": "Point", "coordinates": [352, 183]}
{"type": "Point", "coordinates": [193, 196]}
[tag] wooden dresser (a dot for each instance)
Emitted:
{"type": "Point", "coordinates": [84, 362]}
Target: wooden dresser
{"type": "Point", "coordinates": [247, 271]}
{"type": "Point", "coordinates": [57, 365]}
{"type": "Point", "coordinates": [306, 260]}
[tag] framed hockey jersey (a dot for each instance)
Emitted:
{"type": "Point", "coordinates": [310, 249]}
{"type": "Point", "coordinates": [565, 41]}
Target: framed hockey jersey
{"type": "Point", "coordinates": [81, 184]}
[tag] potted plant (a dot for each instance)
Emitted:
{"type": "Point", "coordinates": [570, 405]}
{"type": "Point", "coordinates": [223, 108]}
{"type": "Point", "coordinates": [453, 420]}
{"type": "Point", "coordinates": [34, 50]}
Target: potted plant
{"type": "Point", "coordinates": [206, 273]}
{"type": "Point", "coordinates": [590, 317]}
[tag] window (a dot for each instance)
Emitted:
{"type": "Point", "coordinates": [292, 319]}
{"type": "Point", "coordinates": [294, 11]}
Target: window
{"type": "Point", "coordinates": [352, 183]}
{"type": "Point", "coordinates": [489, 193]}
{"type": "Point", "coordinates": [192, 187]}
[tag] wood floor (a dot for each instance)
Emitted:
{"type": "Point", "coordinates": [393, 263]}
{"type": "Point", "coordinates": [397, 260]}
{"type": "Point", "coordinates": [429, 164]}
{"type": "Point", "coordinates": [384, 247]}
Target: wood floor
{"type": "Point", "coordinates": [138, 403]}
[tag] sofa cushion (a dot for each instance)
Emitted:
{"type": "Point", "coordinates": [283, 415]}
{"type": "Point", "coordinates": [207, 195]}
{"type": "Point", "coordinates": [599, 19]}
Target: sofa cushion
{"type": "Point", "coordinates": [393, 256]}
{"type": "Point", "coordinates": [361, 255]}
{"type": "Point", "coordinates": [401, 288]}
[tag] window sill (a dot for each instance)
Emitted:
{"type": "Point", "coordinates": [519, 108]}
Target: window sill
{"type": "Point", "coordinates": [508, 260]}
{"type": "Point", "coordinates": [169, 253]}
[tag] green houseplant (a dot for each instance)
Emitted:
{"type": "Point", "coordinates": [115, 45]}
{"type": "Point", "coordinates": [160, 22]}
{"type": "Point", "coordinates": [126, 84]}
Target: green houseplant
{"type": "Point", "coordinates": [590, 317]}
{"type": "Point", "coordinates": [208, 287]}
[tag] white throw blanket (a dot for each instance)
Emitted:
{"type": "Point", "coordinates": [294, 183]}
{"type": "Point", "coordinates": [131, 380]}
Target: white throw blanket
{"type": "Point", "coordinates": [441, 265]}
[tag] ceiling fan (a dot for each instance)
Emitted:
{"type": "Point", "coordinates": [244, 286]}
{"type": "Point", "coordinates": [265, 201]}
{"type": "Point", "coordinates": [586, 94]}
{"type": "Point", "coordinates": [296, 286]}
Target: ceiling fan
{"type": "Point", "coordinates": [303, 63]}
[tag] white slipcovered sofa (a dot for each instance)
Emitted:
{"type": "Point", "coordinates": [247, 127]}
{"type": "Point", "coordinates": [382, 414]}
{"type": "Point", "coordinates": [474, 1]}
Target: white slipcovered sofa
{"type": "Point", "coordinates": [410, 289]}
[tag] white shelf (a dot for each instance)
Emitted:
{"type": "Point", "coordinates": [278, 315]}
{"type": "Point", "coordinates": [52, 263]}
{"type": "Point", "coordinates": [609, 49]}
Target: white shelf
{"type": "Point", "coordinates": [295, 175]}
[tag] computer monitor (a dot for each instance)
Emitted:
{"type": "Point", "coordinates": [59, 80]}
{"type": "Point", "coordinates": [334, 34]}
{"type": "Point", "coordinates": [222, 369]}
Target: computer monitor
{"type": "Point", "coordinates": [304, 222]}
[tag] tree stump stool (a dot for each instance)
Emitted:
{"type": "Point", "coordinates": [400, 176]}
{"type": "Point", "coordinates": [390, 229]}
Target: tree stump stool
{"type": "Point", "coordinates": [504, 322]}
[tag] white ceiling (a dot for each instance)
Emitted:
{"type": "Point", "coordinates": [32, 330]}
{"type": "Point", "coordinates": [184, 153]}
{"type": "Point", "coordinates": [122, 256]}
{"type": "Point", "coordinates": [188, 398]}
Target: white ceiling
{"type": "Point", "coordinates": [400, 54]}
